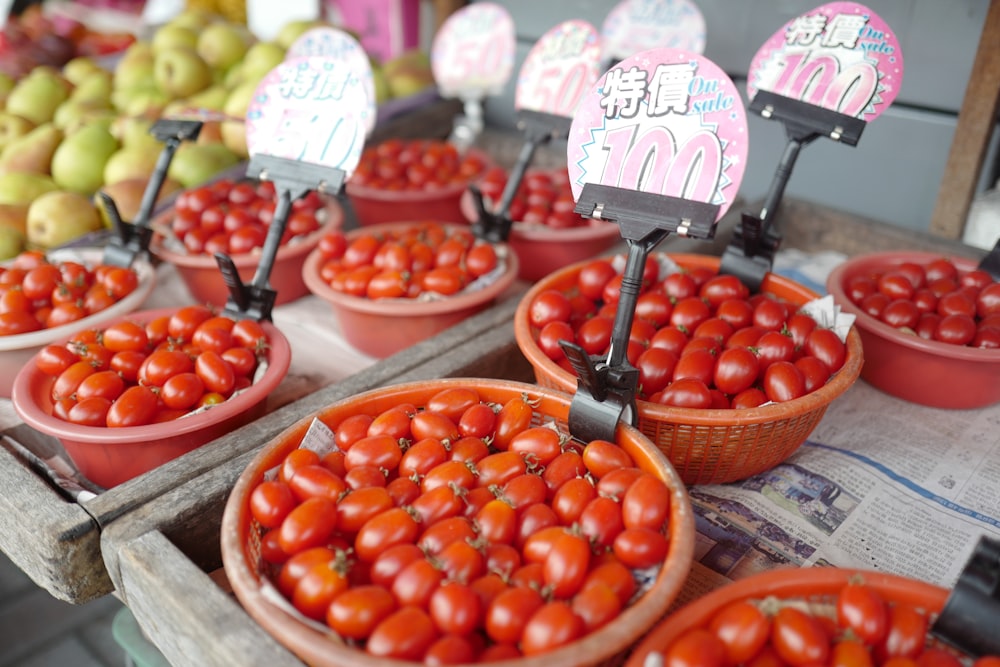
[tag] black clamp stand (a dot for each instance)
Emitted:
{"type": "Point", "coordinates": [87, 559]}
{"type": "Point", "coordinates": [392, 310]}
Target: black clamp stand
{"type": "Point", "coordinates": [969, 618]}
{"type": "Point", "coordinates": [292, 180]}
{"type": "Point", "coordinates": [750, 253]}
{"type": "Point", "coordinates": [131, 239]}
{"type": "Point", "coordinates": [539, 128]}
{"type": "Point", "coordinates": [991, 262]}
{"type": "Point", "coordinates": [606, 388]}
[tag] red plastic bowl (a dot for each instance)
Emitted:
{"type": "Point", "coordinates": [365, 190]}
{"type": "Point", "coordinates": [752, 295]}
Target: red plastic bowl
{"type": "Point", "coordinates": [543, 250]}
{"type": "Point", "coordinates": [110, 456]}
{"type": "Point", "coordinates": [909, 367]}
{"type": "Point", "coordinates": [373, 206]}
{"type": "Point", "coordinates": [17, 350]}
{"type": "Point", "coordinates": [816, 584]}
{"type": "Point", "coordinates": [383, 327]}
{"type": "Point", "coordinates": [204, 280]}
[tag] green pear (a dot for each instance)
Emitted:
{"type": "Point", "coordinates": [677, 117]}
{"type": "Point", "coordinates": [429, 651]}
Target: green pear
{"type": "Point", "coordinates": [71, 115]}
{"type": "Point", "coordinates": [22, 188]}
{"type": "Point", "coordinates": [193, 18]}
{"type": "Point", "coordinates": [6, 85]}
{"type": "Point", "coordinates": [33, 152]}
{"type": "Point", "coordinates": [180, 72]}
{"type": "Point", "coordinates": [12, 127]}
{"type": "Point", "coordinates": [194, 164]}
{"type": "Point", "coordinates": [129, 130]}
{"type": "Point", "coordinates": [14, 216]}
{"type": "Point", "coordinates": [12, 242]}
{"type": "Point", "coordinates": [222, 44]}
{"type": "Point", "coordinates": [60, 216]}
{"type": "Point", "coordinates": [234, 131]}
{"type": "Point", "coordinates": [79, 68]}
{"type": "Point", "coordinates": [135, 70]}
{"type": "Point", "coordinates": [408, 73]}
{"type": "Point", "coordinates": [381, 85]}
{"type": "Point", "coordinates": [78, 163]}
{"type": "Point", "coordinates": [38, 95]}
{"type": "Point", "coordinates": [135, 161]}
{"type": "Point", "coordinates": [94, 88]}
{"type": "Point", "coordinates": [171, 36]}
{"type": "Point", "coordinates": [260, 59]}
{"type": "Point", "coordinates": [146, 102]}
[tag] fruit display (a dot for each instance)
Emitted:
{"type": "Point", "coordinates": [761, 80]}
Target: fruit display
{"type": "Point", "coordinates": [415, 165]}
{"type": "Point", "coordinates": [542, 197]}
{"type": "Point", "coordinates": [34, 38]}
{"type": "Point", "coordinates": [413, 261]}
{"type": "Point", "coordinates": [933, 300]}
{"type": "Point", "coordinates": [929, 325]}
{"type": "Point", "coordinates": [38, 293]}
{"type": "Point", "coordinates": [455, 522]}
{"type": "Point", "coordinates": [132, 374]}
{"type": "Point", "coordinates": [818, 615]}
{"type": "Point", "coordinates": [395, 284]}
{"type": "Point", "coordinates": [699, 339]}
{"type": "Point", "coordinates": [233, 216]}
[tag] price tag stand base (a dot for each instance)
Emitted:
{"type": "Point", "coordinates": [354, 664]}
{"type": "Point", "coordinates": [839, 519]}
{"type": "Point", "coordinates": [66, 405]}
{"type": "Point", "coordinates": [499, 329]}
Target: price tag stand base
{"type": "Point", "coordinates": [131, 239]}
{"type": "Point", "coordinates": [606, 388]}
{"type": "Point", "coordinates": [750, 253]}
{"type": "Point", "coordinates": [292, 180]}
{"type": "Point", "coordinates": [974, 604]}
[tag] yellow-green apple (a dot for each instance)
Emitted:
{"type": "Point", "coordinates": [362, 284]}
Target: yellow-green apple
{"type": "Point", "coordinates": [180, 72]}
{"type": "Point", "coordinates": [77, 69]}
{"type": "Point", "coordinates": [94, 88]}
{"type": "Point", "coordinates": [172, 35]}
{"type": "Point", "coordinates": [260, 59]}
{"type": "Point", "coordinates": [234, 131]}
{"type": "Point", "coordinates": [17, 187]}
{"type": "Point", "coordinates": [408, 73]}
{"type": "Point", "coordinates": [60, 216]}
{"type": "Point", "coordinates": [194, 164]}
{"type": "Point", "coordinates": [38, 95]}
{"type": "Point", "coordinates": [222, 44]}
{"type": "Point", "coordinates": [33, 152]}
{"type": "Point", "coordinates": [12, 127]}
{"type": "Point", "coordinates": [78, 163]}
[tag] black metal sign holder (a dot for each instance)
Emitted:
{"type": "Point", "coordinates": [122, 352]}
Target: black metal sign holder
{"type": "Point", "coordinates": [968, 620]}
{"type": "Point", "coordinates": [131, 239]}
{"type": "Point", "coordinates": [292, 180]}
{"type": "Point", "coordinates": [606, 387]}
{"type": "Point", "coordinates": [750, 253]}
{"type": "Point", "coordinates": [539, 128]}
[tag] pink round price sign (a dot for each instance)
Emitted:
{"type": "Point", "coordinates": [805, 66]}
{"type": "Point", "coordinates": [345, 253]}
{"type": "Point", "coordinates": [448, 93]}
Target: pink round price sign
{"type": "Point", "coordinates": [638, 25]}
{"type": "Point", "coordinates": [662, 121]}
{"type": "Point", "coordinates": [840, 56]}
{"type": "Point", "coordinates": [342, 49]}
{"type": "Point", "coordinates": [309, 109]}
{"type": "Point", "coordinates": [472, 55]}
{"type": "Point", "coordinates": [559, 68]}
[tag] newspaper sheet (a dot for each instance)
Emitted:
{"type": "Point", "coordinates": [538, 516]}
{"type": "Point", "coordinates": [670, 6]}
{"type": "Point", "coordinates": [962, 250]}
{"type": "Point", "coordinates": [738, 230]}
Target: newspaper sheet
{"type": "Point", "coordinates": [880, 484]}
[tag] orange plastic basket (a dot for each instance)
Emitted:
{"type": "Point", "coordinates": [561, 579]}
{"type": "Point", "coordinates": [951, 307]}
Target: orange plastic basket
{"type": "Point", "coordinates": [609, 644]}
{"type": "Point", "coordinates": [708, 446]}
{"type": "Point", "coordinates": [815, 585]}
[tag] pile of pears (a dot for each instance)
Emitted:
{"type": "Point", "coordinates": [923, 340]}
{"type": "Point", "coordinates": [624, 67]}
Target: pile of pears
{"type": "Point", "coordinates": [67, 133]}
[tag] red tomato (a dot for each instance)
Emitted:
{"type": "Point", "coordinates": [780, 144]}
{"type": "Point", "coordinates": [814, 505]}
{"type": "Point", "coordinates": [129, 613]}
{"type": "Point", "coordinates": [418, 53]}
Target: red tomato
{"type": "Point", "coordinates": [215, 372]}
{"type": "Point", "coordinates": [799, 638]}
{"type": "Point", "coordinates": [552, 625]}
{"type": "Point", "coordinates": [309, 524]}
{"type": "Point", "coordinates": [566, 564]}
{"type": "Point", "coordinates": [736, 369]}
{"type": "Point", "coordinates": [826, 346]}
{"type": "Point", "coordinates": [393, 526]}
{"type": "Point", "coordinates": [697, 648]}
{"type": "Point", "coordinates": [906, 634]}
{"type": "Point", "coordinates": [317, 587]}
{"type": "Point", "coordinates": [54, 359]}
{"type": "Point", "coordinates": [646, 503]}
{"type": "Point", "coordinates": [134, 407]}
{"type": "Point", "coordinates": [509, 612]}
{"type": "Point", "coordinates": [270, 502]}
{"type": "Point", "coordinates": [405, 634]}
{"type": "Point", "coordinates": [863, 610]}
{"type": "Point", "coordinates": [686, 393]}
{"type": "Point", "coordinates": [743, 628]}
{"type": "Point", "coordinates": [783, 381]}
{"type": "Point", "coordinates": [640, 547]}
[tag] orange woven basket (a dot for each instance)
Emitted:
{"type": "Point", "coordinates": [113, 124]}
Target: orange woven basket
{"type": "Point", "coordinates": [608, 645]}
{"type": "Point", "coordinates": [708, 446]}
{"type": "Point", "coordinates": [816, 585]}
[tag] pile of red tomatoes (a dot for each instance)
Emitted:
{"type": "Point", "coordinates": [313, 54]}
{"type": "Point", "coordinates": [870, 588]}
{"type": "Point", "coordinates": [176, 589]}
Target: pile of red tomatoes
{"type": "Point", "coordinates": [699, 339]}
{"type": "Point", "coordinates": [542, 197]}
{"type": "Point", "coordinates": [233, 216]}
{"type": "Point", "coordinates": [133, 373]}
{"type": "Point", "coordinates": [415, 164]}
{"type": "Point", "coordinates": [935, 301]}
{"type": "Point", "coordinates": [37, 294]}
{"type": "Point", "coordinates": [858, 627]}
{"type": "Point", "coordinates": [405, 261]}
{"type": "Point", "coordinates": [460, 531]}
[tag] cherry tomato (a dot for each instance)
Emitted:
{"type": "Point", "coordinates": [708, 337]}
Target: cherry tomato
{"type": "Point", "coordinates": [799, 638]}
{"type": "Point", "coordinates": [863, 610]}
{"type": "Point", "coordinates": [309, 524]}
{"type": "Point", "coordinates": [405, 634]}
{"type": "Point", "coordinates": [697, 648]}
{"type": "Point", "coordinates": [601, 457]}
{"type": "Point", "coordinates": [646, 503]}
{"type": "Point", "coordinates": [736, 369]}
{"type": "Point", "coordinates": [509, 612]}
{"type": "Point", "coordinates": [393, 526]}
{"type": "Point", "coordinates": [552, 625]}
{"type": "Point", "coordinates": [270, 502]}
{"type": "Point", "coordinates": [743, 628]}
{"type": "Point", "coordinates": [135, 406]}
{"type": "Point", "coordinates": [640, 547]}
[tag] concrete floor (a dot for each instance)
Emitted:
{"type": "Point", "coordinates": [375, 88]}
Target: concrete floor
{"type": "Point", "coordinates": [37, 630]}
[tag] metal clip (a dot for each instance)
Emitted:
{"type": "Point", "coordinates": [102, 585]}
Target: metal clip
{"type": "Point", "coordinates": [606, 389]}
{"type": "Point", "coordinates": [292, 179]}
{"type": "Point", "coordinates": [130, 239]}
{"type": "Point", "coordinates": [969, 618]}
